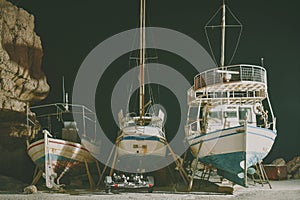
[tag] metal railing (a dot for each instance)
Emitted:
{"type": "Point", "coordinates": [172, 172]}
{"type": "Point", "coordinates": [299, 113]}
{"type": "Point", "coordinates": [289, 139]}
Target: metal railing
{"type": "Point", "coordinates": [44, 113]}
{"type": "Point", "coordinates": [132, 118]}
{"type": "Point", "coordinates": [232, 73]}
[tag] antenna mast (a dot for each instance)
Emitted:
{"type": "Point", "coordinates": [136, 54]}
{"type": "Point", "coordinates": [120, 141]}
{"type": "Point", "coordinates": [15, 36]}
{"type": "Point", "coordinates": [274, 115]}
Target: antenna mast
{"type": "Point", "coordinates": [223, 35]}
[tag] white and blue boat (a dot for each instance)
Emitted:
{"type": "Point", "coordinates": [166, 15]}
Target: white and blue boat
{"type": "Point", "coordinates": [230, 123]}
{"type": "Point", "coordinates": [61, 145]}
{"type": "Point", "coordinates": [141, 143]}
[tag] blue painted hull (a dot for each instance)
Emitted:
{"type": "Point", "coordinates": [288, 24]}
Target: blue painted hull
{"type": "Point", "coordinates": [231, 166]}
{"type": "Point", "coordinates": [227, 150]}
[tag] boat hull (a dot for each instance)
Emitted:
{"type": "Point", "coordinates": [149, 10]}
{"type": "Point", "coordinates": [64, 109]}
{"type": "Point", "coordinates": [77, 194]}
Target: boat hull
{"type": "Point", "coordinates": [140, 151]}
{"type": "Point", "coordinates": [233, 150]}
{"type": "Point", "coordinates": [65, 156]}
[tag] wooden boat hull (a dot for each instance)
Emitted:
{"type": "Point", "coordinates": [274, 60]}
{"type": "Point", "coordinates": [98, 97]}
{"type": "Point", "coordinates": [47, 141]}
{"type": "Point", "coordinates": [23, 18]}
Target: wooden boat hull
{"type": "Point", "coordinates": [65, 156]}
{"type": "Point", "coordinates": [233, 150]}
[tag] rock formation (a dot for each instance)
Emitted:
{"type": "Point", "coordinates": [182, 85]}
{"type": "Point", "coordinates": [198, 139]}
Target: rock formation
{"type": "Point", "coordinates": [293, 167]}
{"type": "Point", "coordinates": [21, 82]}
{"type": "Point", "coordinates": [279, 162]}
{"type": "Point", "coordinates": [21, 78]}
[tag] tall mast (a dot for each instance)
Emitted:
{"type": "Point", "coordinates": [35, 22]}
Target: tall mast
{"type": "Point", "coordinates": [142, 56]}
{"type": "Point", "coordinates": [223, 36]}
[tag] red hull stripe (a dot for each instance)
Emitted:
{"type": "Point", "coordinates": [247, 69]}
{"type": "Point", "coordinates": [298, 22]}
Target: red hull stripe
{"type": "Point", "coordinates": [57, 142]}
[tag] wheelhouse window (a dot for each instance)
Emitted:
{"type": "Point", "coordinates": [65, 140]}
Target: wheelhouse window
{"type": "Point", "coordinates": [215, 117]}
{"type": "Point", "coordinates": [230, 114]}
{"type": "Point", "coordinates": [245, 113]}
{"type": "Point", "coordinates": [215, 114]}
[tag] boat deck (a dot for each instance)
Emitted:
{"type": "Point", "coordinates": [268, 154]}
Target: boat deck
{"type": "Point", "coordinates": [235, 84]}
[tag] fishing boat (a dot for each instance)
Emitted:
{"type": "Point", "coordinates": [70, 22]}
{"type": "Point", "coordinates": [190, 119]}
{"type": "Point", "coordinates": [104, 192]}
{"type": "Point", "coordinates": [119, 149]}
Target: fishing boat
{"type": "Point", "coordinates": [230, 124]}
{"type": "Point", "coordinates": [62, 146]}
{"type": "Point", "coordinates": [141, 142]}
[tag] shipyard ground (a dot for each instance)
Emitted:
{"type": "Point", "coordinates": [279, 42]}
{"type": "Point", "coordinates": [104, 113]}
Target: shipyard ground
{"type": "Point", "coordinates": [284, 189]}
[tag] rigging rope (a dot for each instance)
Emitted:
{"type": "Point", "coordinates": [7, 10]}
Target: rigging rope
{"type": "Point", "coordinates": [240, 34]}
{"type": "Point", "coordinates": [218, 26]}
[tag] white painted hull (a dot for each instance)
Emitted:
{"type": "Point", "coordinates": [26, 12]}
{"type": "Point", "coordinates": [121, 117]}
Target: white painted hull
{"type": "Point", "coordinates": [141, 141]}
{"type": "Point", "coordinates": [140, 147]}
{"type": "Point", "coordinates": [63, 154]}
{"type": "Point", "coordinates": [145, 147]}
{"type": "Point", "coordinates": [232, 151]}
{"type": "Point", "coordinates": [236, 139]}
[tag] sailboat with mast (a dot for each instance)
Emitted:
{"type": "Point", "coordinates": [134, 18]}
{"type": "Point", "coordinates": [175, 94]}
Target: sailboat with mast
{"type": "Point", "coordinates": [230, 124]}
{"type": "Point", "coordinates": [141, 142]}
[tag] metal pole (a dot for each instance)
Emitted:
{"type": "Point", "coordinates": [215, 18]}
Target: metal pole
{"type": "Point", "coordinates": [223, 36]}
{"type": "Point", "coordinates": [142, 58]}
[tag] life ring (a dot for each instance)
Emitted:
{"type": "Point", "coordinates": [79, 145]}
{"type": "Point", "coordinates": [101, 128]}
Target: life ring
{"type": "Point", "coordinates": [257, 108]}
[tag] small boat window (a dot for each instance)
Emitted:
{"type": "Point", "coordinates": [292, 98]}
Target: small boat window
{"type": "Point", "coordinates": [215, 117]}
{"type": "Point", "coordinates": [193, 113]}
{"type": "Point", "coordinates": [215, 114]}
{"type": "Point", "coordinates": [245, 113]}
{"type": "Point", "coordinates": [230, 114]}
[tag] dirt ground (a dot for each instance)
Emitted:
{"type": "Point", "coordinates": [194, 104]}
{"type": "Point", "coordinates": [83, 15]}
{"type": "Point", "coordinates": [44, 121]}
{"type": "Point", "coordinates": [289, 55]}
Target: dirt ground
{"type": "Point", "coordinates": [285, 189]}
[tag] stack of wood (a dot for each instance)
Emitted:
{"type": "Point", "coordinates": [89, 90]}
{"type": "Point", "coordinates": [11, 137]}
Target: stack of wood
{"type": "Point", "coordinates": [293, 167]}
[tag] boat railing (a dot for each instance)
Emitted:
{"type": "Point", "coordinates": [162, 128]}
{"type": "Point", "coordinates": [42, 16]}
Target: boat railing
{"type": "Point", "coordinates": [156, 121]}
{"type": "Point", "coordinates": [269, 124]}
{"type": "Point", "coordinates": [132, 119]}
{"type": "Point", "coordinates": [227, 74]}
{"type": "Point", "coordinates": [84, 116]}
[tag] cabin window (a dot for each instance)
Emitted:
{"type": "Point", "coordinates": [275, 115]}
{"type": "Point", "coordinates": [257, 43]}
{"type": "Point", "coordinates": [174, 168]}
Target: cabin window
{"type": "Point", "coordinates": [131, 124]}
{"type": "Point", "coordinates": [135, 146]}
{"type": "Point", "coordinates": [215, 114]}
{"type": "Point", "coordinates": [215, 117]}
{"type": "Point", "coordinates": [230, 114]}
{"type": "Point", "coordinates": [193, 113]}
{"type": "Point", "coordinates": [245, 113]}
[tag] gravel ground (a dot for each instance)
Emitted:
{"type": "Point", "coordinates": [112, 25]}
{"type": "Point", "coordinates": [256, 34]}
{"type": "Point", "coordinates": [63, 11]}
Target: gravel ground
{"type": "Point", "coordinates": [288, 189]}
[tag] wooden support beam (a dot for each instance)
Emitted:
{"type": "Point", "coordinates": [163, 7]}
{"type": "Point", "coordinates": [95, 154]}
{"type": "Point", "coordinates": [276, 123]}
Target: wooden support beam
{"type": "Point", "coordinates": [195, 168]}
{"type": "Point", "coordinates": [37, 176]}
{"type": "Point", "coordinates": [98, 169]}
{"type": "Point", "coordinates": [92, 184]}
{"type": "Point", "coordinates": [114, 162]}
{"type": "Point", "coordinates": [182, 172]}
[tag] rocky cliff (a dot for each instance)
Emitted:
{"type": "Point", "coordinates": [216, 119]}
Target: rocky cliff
{"type": "Point", "coordinates": [21, 82]}
{"type": "Point", "coordinates": [21, 78]}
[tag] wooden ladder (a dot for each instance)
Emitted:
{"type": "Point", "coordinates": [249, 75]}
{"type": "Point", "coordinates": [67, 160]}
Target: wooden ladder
{"type": "Point", "coordinates": [263, 178]}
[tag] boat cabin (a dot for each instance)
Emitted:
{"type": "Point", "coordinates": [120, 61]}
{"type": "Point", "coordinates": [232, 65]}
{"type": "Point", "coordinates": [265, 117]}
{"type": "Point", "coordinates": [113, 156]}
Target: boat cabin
{"type": "Point", "coordinates": [226, 116]}
{"type": "Point", "coordinates": [209, 118]}
{"type": "Point", "coordinates": [147, 120]}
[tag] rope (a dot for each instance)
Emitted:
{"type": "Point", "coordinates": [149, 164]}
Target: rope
{"type": "Point", "coordinates": [207, 37]}
{"type": "Point", "coordinates": [218, 26]}
{"type": "Point", "coordinates": [210, 47]}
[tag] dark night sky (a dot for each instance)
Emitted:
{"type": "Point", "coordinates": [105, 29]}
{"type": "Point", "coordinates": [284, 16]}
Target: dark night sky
{"type": "Point", "coordinates": [69, 30]}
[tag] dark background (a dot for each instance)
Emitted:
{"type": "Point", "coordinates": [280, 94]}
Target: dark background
{"type": "Point", "coordinates": [69, 30]}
